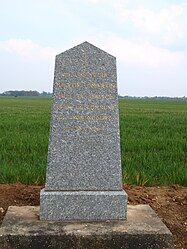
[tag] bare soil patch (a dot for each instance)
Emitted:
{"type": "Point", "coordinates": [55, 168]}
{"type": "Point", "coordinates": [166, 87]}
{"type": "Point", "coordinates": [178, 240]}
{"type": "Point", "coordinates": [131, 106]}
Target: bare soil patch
{"type": "Point", "coordinates": [169, 202]}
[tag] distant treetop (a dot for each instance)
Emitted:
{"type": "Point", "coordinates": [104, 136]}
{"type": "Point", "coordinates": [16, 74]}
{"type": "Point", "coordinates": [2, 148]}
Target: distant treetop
{"type": "Point", "coordinates": [25, 93]}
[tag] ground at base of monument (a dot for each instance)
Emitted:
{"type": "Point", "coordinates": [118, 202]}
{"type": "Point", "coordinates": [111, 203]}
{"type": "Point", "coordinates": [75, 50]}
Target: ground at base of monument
{"type": "Point", "coordinates": [143, 229]}
{"type": "Point", "coordinates": [169, 202]}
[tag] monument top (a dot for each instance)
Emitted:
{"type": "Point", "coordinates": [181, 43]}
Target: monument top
{"type": "Point", "coordinates": [86, 45]}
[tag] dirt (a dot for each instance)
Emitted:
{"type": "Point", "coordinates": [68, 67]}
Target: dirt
{"type": "Point", "coordinates": [169, 202]}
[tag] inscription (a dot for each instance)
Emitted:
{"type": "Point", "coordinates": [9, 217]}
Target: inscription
{"type": "Point", "coordinates": [85, 129]}
{"type": "Point", "coordinates": [95, 107]}
{"type": "Point", "coordinates": [85, 74]}
{"type": "Point", "coordinates": [79, 117]}
{"type": "Point", "coordinates": [83, 96]}
{"type": "Point", "coordinates": [71, 96]}
{"type": "Point", "coordinates": [84, 107]}
{"type": "Point", "coordinates": [103, 85]}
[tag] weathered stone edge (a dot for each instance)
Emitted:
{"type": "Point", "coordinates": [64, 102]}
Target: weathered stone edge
{"type": "Point", "coordinates": [21, 228]}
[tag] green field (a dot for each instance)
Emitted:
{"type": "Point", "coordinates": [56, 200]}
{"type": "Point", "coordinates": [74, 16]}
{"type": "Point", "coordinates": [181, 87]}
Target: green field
{"type": "Point", "coordinates": [153, 140]}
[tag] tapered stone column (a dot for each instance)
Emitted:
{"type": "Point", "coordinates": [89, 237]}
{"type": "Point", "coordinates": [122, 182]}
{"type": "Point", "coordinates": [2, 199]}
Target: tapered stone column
{"type": "Point", "coordinates": [83, 180]}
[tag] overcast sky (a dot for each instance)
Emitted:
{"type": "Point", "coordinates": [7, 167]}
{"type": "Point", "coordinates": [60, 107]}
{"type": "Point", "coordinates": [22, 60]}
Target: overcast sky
{"type": "Point", "coordinates": [148, 38]}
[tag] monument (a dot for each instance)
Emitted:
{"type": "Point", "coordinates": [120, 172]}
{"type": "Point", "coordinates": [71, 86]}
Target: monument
{"type": "Point", "coordinates": [83, 179]}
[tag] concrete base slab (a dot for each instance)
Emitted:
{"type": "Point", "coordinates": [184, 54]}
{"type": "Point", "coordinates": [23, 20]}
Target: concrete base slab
{"type": "Point", "coordinates": [22, 228]}
{"type": "Point", "coordinates": [83, 205]}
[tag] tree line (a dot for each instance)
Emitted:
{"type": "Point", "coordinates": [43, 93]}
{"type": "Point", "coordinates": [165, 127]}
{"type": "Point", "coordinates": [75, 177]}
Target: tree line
{"type": "Point", "coordinates": [17, 93]}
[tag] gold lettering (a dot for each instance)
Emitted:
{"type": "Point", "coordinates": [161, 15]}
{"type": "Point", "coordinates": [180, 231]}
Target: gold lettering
{"type": "Point", "coordinates": [85, 73]}
{"type": "Point", "coordinates": [59, 95]}
{"type": "Point", "coordinates": [102, 85]}
{"type": "Point", "coordinates": [91, 117]}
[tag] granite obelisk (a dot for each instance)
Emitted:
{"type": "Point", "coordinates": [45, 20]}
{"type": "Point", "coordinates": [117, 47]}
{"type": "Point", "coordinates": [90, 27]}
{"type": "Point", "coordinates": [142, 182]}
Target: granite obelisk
{"type": "Point", "coordinates": [83, 180]}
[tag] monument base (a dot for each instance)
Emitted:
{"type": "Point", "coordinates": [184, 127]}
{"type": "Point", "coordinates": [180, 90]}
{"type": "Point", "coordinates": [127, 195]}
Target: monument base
{"type": "Point", "coordinates": [83, 205]}
{"type": "Point", "coordinates": [22, 229]}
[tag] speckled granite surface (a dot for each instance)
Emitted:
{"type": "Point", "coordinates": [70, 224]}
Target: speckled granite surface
{"type": "Point", "coordinates": [84, 146]}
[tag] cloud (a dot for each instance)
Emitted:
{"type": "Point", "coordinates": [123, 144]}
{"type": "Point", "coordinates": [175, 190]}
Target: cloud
{"type": "Point", "coordinates": [165, 22]}
{"type": "Point", "coordinates": [130, 52]}
{"type": "Point", "coordinates": [109, 2]}
{"type": "Point", "coordinates": [142, 53]}
{"type": "Point", "coordinates": [28, 50]}
{"type": "Point", "coordinates": [94, 1]}
{"type": "Point", "coordinates": [139, 53]}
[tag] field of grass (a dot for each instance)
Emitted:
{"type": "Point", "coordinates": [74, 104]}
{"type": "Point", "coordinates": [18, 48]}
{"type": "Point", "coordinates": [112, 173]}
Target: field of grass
{"type": "Point", "coordinates": [153, 140]}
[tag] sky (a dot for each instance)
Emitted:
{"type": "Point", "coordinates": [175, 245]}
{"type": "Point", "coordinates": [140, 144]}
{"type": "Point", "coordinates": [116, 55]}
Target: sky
{"type": "Point", "coordinates": [147, 37]}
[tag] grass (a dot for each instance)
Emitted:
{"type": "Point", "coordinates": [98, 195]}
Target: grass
{"type": "Point", "coordinates": [24, 130]}
{"type": "Point", "coordinates": [153, 140]}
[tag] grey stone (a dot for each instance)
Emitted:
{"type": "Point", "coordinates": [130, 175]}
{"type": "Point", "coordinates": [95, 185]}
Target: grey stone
{"type": "Point", "coordinates": [84, 146]}
{"type": "Point", "coordinates": [82, 205]}
{"type": "Point", "coordinates": [22, 229]}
